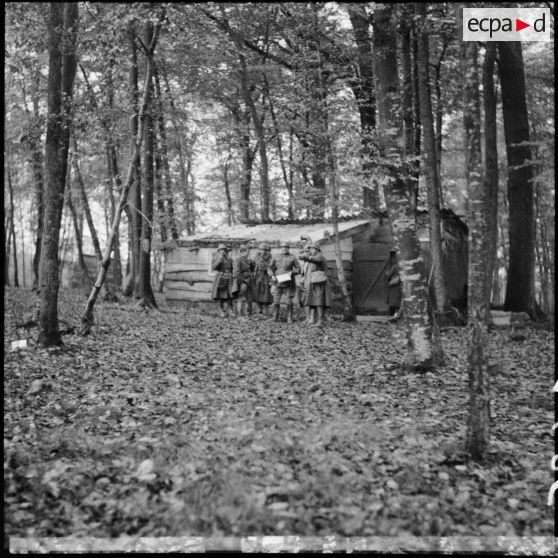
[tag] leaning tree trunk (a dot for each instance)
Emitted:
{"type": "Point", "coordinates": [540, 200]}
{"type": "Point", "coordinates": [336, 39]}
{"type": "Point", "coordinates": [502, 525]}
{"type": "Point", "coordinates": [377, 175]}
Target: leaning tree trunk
{"type": "Point", "coordinates": [478, 430]}
{"type": "Point", "coordinates": [62, 30]}
{"type": "Point", "coordinates": [424, 350]}
{"type": "Point", "coordinates": [430, 163]}
{"type": "Point", "coordinates": [85, 201]}
{"type": "Point", "coordinates": [87, 318]}
{"type": "Point", "coordinates": [79, 240]}
{"type": "Point", "coordinates": [520, 290]}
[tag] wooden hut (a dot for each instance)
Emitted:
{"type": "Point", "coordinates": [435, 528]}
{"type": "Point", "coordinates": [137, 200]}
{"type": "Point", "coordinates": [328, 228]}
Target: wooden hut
{"type": "Point", "coordinates": [365, 247]}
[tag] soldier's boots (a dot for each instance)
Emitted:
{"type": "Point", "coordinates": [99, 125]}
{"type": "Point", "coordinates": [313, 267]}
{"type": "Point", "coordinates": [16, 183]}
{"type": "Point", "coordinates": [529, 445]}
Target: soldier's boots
{"type": "Point", "coordinates": [320, 320]}
{"type": "Point", "coordinates": [289, 313]}
{"type": "Point", "coordinates": [276, 312]}
{"type": "Point", "coordinates": [311, 315]}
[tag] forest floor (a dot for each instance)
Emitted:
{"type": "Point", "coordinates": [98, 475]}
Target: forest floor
{"type": "Point", "coordinates": [179, 423]}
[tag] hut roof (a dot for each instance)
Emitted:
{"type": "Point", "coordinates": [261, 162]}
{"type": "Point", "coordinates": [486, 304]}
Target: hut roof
{"type": "Point", "coordinates": [274, 232]}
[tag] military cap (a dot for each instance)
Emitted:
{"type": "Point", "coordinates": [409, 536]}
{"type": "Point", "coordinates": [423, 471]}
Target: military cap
{"type": "Point", "coordinates": [316, 246]}
{"type": "Point", "coordinates": [222, 247]}
{"type": "Point", "coordinates": [285, 244]}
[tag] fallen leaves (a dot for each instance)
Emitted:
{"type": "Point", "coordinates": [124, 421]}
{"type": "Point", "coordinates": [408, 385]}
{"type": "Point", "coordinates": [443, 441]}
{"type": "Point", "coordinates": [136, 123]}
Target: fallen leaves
{"type": "Point", "coordinates": [164, 424]}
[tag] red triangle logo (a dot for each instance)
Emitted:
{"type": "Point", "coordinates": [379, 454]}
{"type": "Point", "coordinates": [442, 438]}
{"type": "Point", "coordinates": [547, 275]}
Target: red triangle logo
{"type": "Point", "coordinates": [519, 25]}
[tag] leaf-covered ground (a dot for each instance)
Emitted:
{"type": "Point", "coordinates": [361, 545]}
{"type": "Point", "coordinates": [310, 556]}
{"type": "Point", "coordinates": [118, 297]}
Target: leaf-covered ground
{"type": "Point", "coordinates": [178, 423]}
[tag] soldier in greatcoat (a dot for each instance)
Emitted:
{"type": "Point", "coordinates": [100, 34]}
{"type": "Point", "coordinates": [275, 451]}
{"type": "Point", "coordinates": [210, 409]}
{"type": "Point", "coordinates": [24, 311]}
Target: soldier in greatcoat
{"type": "Point", "coordinates": [318, 291]}
{"type": "Point", "coordinates": [302, 278]}
{"type": "Point", "coordinates": [262, 287]}
{"type": "Point", "coordinates": [243, 287]}
{"type": "Point", "coordinates": [222, 284]}
{"type": "Point", "coordinates": [282, 268]}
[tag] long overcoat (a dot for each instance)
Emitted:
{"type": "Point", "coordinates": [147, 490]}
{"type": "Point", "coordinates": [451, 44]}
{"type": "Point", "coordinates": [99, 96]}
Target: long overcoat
{"type": "Point", "coordinates": [224, 267]}
{"type": "Point", "coordinates": [242, 284]}
{"type": "Point", "coordinates": [316, 294]}
{"type": "Point", "coordinates": [262, 287]}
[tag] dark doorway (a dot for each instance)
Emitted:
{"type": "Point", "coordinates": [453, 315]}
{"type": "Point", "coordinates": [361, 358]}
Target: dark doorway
{"type": "Point", "coordinates": [370, 286]}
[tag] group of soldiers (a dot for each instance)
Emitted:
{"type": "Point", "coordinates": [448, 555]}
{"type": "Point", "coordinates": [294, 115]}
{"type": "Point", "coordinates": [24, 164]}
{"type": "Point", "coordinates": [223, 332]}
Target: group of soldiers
{"type": "Point", "coordinates": [266, 280]}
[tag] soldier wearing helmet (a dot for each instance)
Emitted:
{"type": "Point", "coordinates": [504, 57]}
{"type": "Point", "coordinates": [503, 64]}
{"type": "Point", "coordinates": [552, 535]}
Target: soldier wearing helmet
{"type": "Point", "coordinates": [222, 284]}
{"type": "Point", "coordinates": [282, 268]}
{"type": "Point", "coordinates": [262, 288]}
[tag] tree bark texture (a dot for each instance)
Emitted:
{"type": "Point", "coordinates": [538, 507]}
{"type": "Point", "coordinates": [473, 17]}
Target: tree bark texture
{"type": "Point", "coordinates": [145, 290]}
{"type": "Point", "coordinates": [520, 289]}
{"type": "Point", "coordinates": [478, 430]}
{"type": "Point", "coordinates": [134, 202]}
{"type": "Point", "coordinates": [62, 26]}
{"type": "Point", "coordinates": [429, 161]}
{"type": "Point", "coordinates": [491, 162]}
{"type": "Point", "coordinates": [412, 163]}
{"type": "Point", "coordinates": [424, 350]}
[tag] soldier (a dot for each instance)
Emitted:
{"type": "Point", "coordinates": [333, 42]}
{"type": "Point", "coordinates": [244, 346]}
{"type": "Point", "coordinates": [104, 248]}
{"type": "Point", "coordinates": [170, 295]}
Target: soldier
{"type": "Point", "coordinates": [243, 287]}
{"type": "Point", "coordinates": [222, 284]}
{"type": "Point", "coordinates": [262, 288]}
{"type": "Point", "coordinates": [301, 279]}
{"type": "Point", "coordinates": [281, 268]}
{"type": "Point", "coordinates": [318, 291]}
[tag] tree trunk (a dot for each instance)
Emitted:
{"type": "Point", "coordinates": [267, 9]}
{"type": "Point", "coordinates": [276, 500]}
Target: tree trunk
{"type": "Point", "coordinates": [114, 176]}
{"type": "Point", "coordinates": [79, 241]}
{"type": "Point", "coordinates": [288, 183]}
{"type": "Point", "coordinates": [412, 164]}
{"type": "Point", "coordinates": [87, 318]}
{"type": "Point", "coordinates": [145, 290]}
{"type": "Point", "coordinates": [478, 429]}
{"type": "Point", "coordinates": [23, 272]}
{"type": "Point", "coordinates": [260, 135]}
{"type": "Point", "coordinates": [163, 150]}
{"type": "Point", "coordinates": [242, 120]}
{"type": "Point", "coordinates": [520, 290]}
{"type": "Point", "coordinates": [430, 164]}
{"type": "Point", "coordinates": [185, 168]}
{"type": "Point", "coordinates": [424, 350]}
{"type": "Point", "coordinates": [365, 97]}
{"type": "Point", "coordinates": [12, 220]}
{"type": "Point", "coordinates": [84, 200]}
{"type": "Point", "coordinates": [491, 163]}
{"type": "Point", "coordinates": [131, 287]}
{"type": "Point", "coordinates": [416, 119]}
{"type": "Point", "coordinates": [62, 29]}
{"type": "Point", "coordinates": [39, 183]}
{"type": "Point", "coordinates": [8, 236]}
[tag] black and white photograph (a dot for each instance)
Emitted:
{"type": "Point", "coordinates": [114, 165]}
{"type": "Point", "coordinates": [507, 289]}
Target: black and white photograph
{"type": "Point", "coordinates": [279, 277]}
